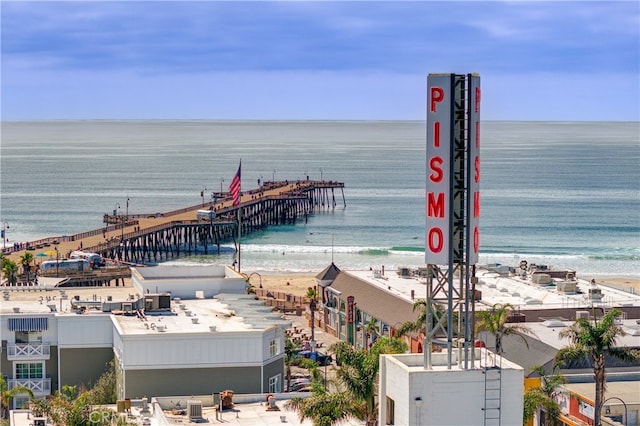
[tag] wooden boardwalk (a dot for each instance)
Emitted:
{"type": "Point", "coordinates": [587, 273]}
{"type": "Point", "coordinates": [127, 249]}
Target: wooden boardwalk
{"type": "Point", "coordinates": [157, 237]}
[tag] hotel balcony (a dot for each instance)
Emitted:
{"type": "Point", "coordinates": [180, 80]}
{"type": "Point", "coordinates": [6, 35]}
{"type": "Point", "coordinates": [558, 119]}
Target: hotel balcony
{"type": "Point", "coordinates": [39, 387]}
{"type": "Point", "coordinates": [27, 351]}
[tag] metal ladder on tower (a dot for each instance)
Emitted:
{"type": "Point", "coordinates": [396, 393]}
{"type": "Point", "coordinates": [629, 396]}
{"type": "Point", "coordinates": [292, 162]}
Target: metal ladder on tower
{"type": "Point", "coordinates": [492, 392]}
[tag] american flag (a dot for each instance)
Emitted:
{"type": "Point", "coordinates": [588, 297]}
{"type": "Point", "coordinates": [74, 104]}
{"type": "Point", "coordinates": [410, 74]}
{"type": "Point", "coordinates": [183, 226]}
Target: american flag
{"type": "Point", "coordinates": [234, 188]}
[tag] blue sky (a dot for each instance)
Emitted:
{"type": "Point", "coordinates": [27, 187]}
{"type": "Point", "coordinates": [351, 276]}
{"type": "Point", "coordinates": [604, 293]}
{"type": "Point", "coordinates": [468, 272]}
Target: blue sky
{"type": "Point", "coordinates": [543, 60]}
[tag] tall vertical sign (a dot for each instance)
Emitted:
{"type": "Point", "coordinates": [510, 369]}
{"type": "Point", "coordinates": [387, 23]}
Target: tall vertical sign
{"type": "Point", "coordinates": [452, 210]}
{"type": "Point", "coordinates": [473, 186]}
{"type": "Point", "coordinates": [439, 135]}
{"type": "Point", "coordinates": [453, 169]}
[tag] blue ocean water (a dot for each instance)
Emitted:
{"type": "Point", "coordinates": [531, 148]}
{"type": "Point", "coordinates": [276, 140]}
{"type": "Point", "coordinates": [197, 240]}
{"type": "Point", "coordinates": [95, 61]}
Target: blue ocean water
{"type": "Point", "coordinates": [565, 194]}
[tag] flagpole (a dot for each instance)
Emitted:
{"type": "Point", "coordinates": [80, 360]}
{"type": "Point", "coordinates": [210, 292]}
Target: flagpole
{"type": "Point", "coordinates": [236, 192]}
{"type": "Point", "coordinates": [239, 235]}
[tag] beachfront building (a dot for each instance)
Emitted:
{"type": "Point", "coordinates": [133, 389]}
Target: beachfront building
{"type": "Point", "coordinates": [211, 338]}
{"type": "Point", "coordinates": [490, 393]}
{"type": "Point", "coordinates": [359, 304]}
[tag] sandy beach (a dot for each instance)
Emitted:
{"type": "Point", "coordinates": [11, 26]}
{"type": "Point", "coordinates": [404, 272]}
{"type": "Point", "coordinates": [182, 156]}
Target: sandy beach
{"type": "Point", "coordinates": [295, 283]}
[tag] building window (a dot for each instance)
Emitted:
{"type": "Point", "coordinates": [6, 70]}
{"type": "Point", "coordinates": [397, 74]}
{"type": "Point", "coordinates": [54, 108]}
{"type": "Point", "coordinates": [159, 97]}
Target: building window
{"type": "Point", "coordinates": [24, 337]}
{"type": "Point", "coordinates": [273, 348]}
{"type": "Point", "coordinates": [274, 384]}
{"type": "Point", "coordinates": [21, 402]}
{"type": "Point", "coordinates": [391, 406]}
{"type": "Point", "coordinates": [31, 370]}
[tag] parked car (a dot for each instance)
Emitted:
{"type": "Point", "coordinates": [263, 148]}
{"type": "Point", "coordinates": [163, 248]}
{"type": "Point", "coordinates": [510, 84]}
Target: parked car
{"type": "Point", "coordinates": [318, 357]}
{"type": "Point", "coordinates": [298, 382]}
{"type": "Point", "coordinates": [298, 387]}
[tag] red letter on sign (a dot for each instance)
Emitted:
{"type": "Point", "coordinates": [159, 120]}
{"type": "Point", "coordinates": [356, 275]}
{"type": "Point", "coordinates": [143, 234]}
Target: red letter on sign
{"type": "Point", "coordinates": [477, 105]}
{"type": "Point", "coordinates": [435, 240]}
{"type": "Point", "coordinates": [476, 204]}
{"type": "Point", "coordinates": [476, 239]}
{"type": "Point", "coordinates": [435, 208]}
{"type": "Point", "coordinates": [437, 95]}
{"type": "Point", "coordinates": [477, 168]}
{"type": "Point", "coordinates": [436, 134]}
{"type": "Point", "coordinates": [477, 134]}
{"type": "Point", "coordinates": [434, 165]}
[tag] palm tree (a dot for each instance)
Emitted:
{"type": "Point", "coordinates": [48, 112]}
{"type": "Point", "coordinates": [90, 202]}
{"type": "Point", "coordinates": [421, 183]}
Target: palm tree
{"type": "Point", "coordinates": [494, 321]}
{"type": "Point", "coordinates": [543, 398]}
{"type": "Point", "coordinates": [589, 340]}
{"type": "Point", "coordinates": [359, 372]}
{"type": "Point", "coordinates": [419, 324]}
{"type": "Point", "coordinates": [25, 260]}
{"type": "Point", "coordinates": [7, 395]}
{"type": "Point", "coordinates": [371, 329]}
{"type": "Point", "coordinates": [357, 378]}
{"type": "Point", "coordinates": [10, 271]}
{"type": "Point", "coordinates": [326, 409]}
{"type": "Point", "coordinates": [312, 296]}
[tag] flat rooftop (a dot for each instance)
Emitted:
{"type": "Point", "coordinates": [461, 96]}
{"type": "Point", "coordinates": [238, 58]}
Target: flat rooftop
{"type": "Point", "coordinates": [225, 313]}
{"type": "Point", "coordinates": [625, 390]}
{"type": "Point", "coordinates": [439, 361]}
{"type": "Point", "coordinates": [242, 413]}
{"type": "Point", "coordinates": [36, 299]}
{"type": "Point", "coordinates": [521, 293]}
{"type": "Point", "coordinates": [547, 331]}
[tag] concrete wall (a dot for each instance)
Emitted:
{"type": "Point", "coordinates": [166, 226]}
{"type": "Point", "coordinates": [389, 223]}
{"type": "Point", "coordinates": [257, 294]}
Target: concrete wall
{"type": "Point", "coordinates": [191, 350]}
{"type": "Point", "coordinates": [88, 330]}
{"type": "Point", "coordinates": [82, 365]}
{"type": "Point", "coordinates": [446, 397]}
{"type": "Point", "coordinates": [188, 381]}
{"type": "Point", "coordinates": [191, 381]}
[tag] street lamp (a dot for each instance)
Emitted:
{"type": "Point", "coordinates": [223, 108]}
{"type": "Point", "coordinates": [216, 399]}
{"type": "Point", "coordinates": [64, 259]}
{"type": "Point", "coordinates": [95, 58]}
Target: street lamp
{"type": "Point", "coordinates": [202, 194]}
{"type": "Point", "coordinates": [312, 308]}
{"type": "Point", "coordinates": [321, 174]}
{"type": "Point", "coordinates": [273, 176]}
{"type": "Point", "coordinates": [57, 260]}
{"type": "Point", "coordinates": [608, 410]}
{"type": "Point", "coordinates": [221, 182]}
{"type": "Point", "coordinates": [4, 235]}
{"type": "Point", "coordinates": [127, 208]}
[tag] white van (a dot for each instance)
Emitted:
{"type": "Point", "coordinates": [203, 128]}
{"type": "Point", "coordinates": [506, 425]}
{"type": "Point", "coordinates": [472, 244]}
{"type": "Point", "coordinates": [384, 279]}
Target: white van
{"type": "Point", "coordinates": [64, 266]}
{"type": "Point", "coordinates": [94, 259]}
{"type": "Point", "coordinates": [205, 214]}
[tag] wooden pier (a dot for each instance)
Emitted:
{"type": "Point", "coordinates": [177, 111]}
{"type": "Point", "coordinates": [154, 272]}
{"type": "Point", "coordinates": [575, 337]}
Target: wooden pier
{"type": "Point", "coordinates": [157, 237]}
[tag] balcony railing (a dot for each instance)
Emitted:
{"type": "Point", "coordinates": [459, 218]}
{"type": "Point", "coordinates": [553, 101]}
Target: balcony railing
{"type": "Point", "coordinates": [28, 351]}
{"type": "Point", "coordinates": [37, 386]}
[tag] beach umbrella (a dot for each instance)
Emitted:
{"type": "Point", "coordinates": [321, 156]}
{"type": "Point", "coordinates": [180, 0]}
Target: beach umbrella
{"type": "Point", "coordinates": [50, 253]}
{"type": "Point", "coordinates": [41, 255]}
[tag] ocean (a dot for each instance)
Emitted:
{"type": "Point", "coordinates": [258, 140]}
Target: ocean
{"type": "Point", "coordinates": [563, 194]}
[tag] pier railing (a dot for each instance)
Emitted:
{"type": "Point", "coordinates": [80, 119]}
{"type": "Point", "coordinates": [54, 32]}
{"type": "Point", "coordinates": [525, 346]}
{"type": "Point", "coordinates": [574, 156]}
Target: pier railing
{"type": "Point", "coordinates": [157, 236]}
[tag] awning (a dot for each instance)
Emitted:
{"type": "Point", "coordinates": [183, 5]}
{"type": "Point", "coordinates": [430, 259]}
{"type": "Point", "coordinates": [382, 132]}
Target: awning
{"type": "Point", "coordinates": [28, 324]}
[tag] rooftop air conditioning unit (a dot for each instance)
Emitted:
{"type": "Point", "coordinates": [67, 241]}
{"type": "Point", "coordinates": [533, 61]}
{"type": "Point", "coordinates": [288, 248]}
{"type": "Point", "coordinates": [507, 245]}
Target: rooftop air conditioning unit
{"type": "Point", "coordinates": [582, 314]}
{"type": "Point", "coordinates": [194, 410]}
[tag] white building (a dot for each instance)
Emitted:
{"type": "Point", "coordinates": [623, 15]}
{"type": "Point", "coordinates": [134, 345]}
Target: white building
{"type": "Point", "coordinates": [488, 394]}
{"type": "Point", "coordinates": [211, 338]}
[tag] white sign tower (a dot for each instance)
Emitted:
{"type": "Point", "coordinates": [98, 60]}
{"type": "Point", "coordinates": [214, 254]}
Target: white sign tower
{"type": "Point", "coordinates": [452, 237]}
